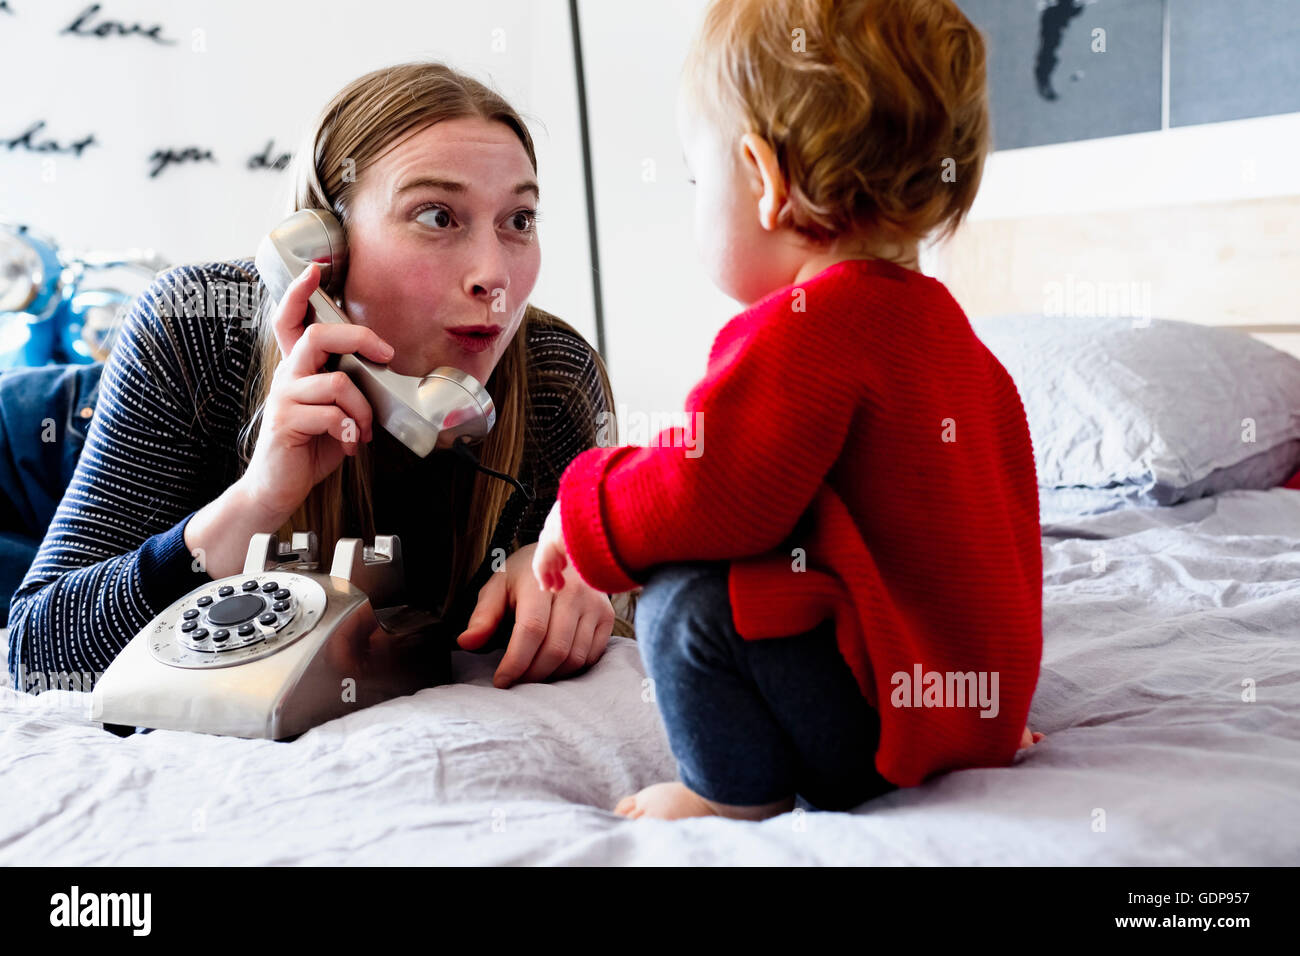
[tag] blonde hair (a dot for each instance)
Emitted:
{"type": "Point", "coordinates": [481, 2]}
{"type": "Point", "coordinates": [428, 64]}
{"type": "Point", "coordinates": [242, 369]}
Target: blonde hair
{"type": "Point", "coordinates": [355, 127]}
{"type": "Point", "coordinates": [877, 110]}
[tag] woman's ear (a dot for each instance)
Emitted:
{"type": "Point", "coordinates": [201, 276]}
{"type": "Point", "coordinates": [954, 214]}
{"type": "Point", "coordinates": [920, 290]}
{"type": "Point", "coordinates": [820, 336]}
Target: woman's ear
{"type": "Point", "coordinates": [763, 173]}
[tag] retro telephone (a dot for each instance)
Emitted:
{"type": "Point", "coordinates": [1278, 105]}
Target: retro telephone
{"type": "Point", "coordinates": [279, 648]}
{"type": "Point", "coordinates": [282, 647]}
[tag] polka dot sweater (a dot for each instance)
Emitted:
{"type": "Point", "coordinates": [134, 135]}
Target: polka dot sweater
{"type": "Point", "coordinates": [163, 443]}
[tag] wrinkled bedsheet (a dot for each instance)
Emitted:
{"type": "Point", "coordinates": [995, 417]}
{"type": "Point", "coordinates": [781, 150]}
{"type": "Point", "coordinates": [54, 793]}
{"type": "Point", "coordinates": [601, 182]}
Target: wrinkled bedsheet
{"type": "Point", "coordinates": [1169, 693]}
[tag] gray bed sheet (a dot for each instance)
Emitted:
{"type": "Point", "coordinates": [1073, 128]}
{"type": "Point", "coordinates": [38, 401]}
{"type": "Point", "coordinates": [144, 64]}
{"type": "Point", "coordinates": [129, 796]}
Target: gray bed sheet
{"type": "Point", "coordinates": [1169, 693]}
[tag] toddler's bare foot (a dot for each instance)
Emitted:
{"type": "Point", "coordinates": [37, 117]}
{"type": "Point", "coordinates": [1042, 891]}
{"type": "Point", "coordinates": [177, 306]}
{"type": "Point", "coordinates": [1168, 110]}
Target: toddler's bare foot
{"type": "Point", "coordinates": [676, 801]}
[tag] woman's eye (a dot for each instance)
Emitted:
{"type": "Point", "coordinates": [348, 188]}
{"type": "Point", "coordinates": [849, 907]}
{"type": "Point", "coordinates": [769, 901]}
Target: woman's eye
{"type": "Point", "coordinates": [529, 217]}
{"type": "Point", "coordinates": [430, 217]}
{"type": "Point", "coordinates": [691, 181]}
{"type": "Point", "coordinates": [439, 217]}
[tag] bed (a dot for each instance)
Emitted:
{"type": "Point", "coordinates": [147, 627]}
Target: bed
{"type": "Point", "coordinates": [1169, 691]}
{"type": "Point", "coordinates": [1152, 756]}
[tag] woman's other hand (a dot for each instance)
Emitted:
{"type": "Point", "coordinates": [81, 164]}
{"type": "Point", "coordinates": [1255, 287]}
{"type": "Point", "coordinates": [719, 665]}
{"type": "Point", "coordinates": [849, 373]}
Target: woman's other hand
{"type": "Point", "coordinates": [554, 635]}
{"type": "Point", "coordinates": [552, 557]}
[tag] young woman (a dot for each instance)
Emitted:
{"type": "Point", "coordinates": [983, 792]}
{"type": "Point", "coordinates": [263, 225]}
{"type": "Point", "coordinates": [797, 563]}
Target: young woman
{"type": "Point", "coordinates": [214, 425]}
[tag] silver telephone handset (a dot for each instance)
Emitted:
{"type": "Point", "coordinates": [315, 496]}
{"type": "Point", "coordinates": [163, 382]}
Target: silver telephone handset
{"type": "Point", "coordinates": [437, 410]}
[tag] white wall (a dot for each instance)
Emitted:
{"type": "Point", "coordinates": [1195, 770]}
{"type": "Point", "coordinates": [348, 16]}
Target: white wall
{"type": "Point", "coordinates": [661, 309]}
{"type": "Point", "coordinates": [263, 71]}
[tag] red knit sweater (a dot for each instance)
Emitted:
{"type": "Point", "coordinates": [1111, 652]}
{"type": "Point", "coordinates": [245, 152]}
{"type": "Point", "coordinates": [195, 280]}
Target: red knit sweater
{"type": "Point", "coordinates": [862, 403]}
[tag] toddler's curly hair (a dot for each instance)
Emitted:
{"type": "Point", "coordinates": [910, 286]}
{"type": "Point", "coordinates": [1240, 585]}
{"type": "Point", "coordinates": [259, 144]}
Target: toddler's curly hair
{"type": "Point", "coordinates": [877, 109]}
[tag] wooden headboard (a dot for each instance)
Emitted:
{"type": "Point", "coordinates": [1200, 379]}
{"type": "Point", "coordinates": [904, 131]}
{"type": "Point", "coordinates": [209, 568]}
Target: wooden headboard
{"type": "Point", "coordinates": [1234, 263]}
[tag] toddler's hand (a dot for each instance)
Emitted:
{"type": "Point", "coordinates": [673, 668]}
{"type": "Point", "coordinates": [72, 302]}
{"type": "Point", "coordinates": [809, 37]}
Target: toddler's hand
{"type": "Point", "coordinates": [550, 559]}
{"type": "Point", "coordinates": [1028, 738]}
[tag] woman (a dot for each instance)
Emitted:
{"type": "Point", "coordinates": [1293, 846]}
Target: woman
{"type": "Point", "coordinates": [211, 428]}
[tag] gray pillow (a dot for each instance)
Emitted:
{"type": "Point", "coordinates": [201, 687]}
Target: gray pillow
{"type": "Point", "coordinates": [1157, 411]}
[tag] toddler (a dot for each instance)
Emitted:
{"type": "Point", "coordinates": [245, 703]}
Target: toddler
{"type": "Point", "coordinates": [843, 592]}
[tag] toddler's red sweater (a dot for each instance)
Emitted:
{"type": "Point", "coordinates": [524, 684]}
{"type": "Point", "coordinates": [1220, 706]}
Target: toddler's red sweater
{"type": "Point", "coordinates": [864, 457]}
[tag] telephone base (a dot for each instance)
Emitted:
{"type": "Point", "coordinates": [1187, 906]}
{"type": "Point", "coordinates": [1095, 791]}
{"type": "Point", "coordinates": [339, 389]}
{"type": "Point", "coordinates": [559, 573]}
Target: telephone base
{"type": "Point", "coordinates": [275, 650]}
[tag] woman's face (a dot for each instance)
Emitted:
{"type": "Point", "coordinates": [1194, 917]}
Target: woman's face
{"type": "Point", "coordinates": [442, 246]}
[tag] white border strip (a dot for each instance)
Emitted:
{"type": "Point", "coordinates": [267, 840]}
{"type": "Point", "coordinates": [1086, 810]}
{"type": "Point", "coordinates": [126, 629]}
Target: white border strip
{"type": "Point", "coordinates": [1213, 162]}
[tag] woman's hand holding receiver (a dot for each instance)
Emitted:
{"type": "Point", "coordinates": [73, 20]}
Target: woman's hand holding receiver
{"type": "Point", "coordinates": [310, 421]}
{"type": "Point", "coordinates": [312, 418]}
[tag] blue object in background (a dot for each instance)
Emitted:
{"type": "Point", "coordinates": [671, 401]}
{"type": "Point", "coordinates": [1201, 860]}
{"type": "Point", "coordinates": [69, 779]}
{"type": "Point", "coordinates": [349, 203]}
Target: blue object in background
{"type": "Point", "coordinates": [54, 402]}
{"type": "Point", "coordinates": [30, 299]}
{"type": "Point", "coordinates": [56, 332]}
{"type": "Point", "coordinates": [50, 313]}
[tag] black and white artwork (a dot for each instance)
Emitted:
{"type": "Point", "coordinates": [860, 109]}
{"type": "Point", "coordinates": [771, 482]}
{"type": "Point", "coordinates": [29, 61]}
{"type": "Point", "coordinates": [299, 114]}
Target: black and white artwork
{"type": "Point", "coordinates": [1233, 60]}
{"type": "Point", "coordinates": [1062, 70]}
